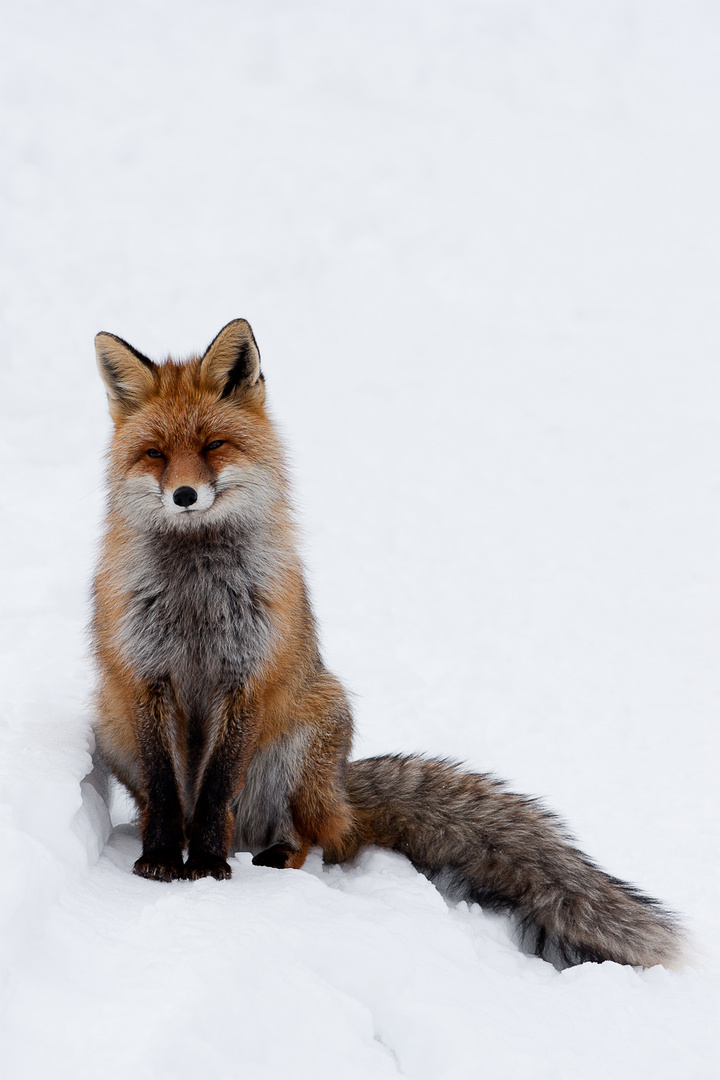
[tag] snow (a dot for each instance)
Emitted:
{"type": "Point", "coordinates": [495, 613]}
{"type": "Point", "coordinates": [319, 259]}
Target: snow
{"type": "Point", "coordinates": [478, 245]}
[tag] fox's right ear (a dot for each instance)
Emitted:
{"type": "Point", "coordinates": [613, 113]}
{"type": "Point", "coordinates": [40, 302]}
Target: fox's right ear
{"type": "Point", "coordinates": [127, 374]}
{"type": "Point", "coordinates": [231, 364]}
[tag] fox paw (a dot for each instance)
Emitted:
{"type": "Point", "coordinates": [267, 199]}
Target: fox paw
{"type": "Point", "coordinates": [279, 856]}
{"type": "Point", "coordinates": [203, 865]}
{"type": "Point", "coordinates": [160, 864]}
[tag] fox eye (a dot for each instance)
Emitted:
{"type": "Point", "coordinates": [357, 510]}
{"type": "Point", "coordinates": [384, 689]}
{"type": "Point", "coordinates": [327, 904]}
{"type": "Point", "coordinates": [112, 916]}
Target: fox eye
{"type": "Point", "coordinates": [214, 444]}
{"type": "Point", "coordinates": [153, 452]}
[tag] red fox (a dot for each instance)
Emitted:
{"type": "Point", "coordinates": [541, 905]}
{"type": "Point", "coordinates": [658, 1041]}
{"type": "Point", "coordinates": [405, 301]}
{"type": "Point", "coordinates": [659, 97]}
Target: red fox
{"type": "Point", "coordinates": [214, 707]}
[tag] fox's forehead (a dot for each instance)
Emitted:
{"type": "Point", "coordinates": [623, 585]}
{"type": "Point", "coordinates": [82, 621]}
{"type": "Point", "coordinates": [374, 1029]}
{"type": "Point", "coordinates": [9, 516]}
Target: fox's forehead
{"type": "Point", "coordinates": [188, 421]}
{"type": "Point", "coordinates": [182, 425]}
{"type": "Point", "coordinates": [181, 384]}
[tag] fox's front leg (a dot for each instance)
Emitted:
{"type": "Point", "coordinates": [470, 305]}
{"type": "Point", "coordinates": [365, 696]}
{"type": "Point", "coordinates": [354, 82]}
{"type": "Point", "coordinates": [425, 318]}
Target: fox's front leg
{"type": "Point", "coordinates": [212, 825]}
{"type": "Point", "coordinates": [162, 816]}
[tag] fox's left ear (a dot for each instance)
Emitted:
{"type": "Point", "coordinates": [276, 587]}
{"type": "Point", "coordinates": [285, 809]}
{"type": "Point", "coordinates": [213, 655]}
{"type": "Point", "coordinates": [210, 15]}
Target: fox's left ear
{"type": "Point", "coordinates": [231, 363]}
{"type": "Point", "coordinates": [129, 376]}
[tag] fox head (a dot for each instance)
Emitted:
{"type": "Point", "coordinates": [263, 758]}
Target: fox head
{"type": "Point", "coordinates": [192, 441]}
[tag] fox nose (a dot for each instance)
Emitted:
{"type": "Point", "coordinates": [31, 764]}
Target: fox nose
{"type": "Point", "coordinates": [184, 496]}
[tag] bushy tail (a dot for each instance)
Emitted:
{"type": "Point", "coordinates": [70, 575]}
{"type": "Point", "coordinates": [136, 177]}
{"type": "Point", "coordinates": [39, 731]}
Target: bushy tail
{"type": "Point", "coordinates": [470, 835]}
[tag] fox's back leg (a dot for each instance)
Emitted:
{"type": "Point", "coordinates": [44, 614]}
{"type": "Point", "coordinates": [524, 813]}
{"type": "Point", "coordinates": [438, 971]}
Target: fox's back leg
{"type": "Point", "coordinates": [295, 789]}
{"type": "Point", "coordinates": [262, 810]}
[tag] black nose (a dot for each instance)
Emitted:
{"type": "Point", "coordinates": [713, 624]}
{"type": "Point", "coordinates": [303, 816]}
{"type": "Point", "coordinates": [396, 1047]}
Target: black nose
{"type": "Point", "coordinates": [184, 496]}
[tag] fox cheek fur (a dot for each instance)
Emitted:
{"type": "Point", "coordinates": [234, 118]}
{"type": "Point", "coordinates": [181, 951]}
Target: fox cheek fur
{"type": "Point", "coordinates": [216, 711]}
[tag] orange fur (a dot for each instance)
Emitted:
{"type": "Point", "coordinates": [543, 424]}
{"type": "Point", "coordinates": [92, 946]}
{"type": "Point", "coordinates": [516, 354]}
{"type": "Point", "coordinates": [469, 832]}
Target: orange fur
{"type": "Point", "coordinates": [177, 411]}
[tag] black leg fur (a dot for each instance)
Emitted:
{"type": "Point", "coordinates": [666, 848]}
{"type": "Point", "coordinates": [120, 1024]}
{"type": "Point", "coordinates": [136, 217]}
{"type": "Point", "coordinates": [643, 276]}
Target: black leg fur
{"type": "Point", "coordinates": [162, 819]}
{"type": "Point", "coordinates": [278, 856]}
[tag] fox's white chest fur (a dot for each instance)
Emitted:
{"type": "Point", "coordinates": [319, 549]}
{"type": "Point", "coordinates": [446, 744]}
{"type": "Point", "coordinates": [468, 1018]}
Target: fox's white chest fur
{"type": "Point", "coordinates": [197, 612]}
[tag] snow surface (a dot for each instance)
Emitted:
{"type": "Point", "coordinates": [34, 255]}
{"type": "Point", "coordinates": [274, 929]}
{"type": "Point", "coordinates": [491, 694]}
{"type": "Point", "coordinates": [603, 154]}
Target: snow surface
{"type": "Point", "coordinates": [478, 244]}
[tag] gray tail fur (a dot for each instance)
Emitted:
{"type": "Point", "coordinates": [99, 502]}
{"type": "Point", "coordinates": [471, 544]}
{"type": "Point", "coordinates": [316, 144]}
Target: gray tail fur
{"type": "Point", "coordinates": [508, 853]}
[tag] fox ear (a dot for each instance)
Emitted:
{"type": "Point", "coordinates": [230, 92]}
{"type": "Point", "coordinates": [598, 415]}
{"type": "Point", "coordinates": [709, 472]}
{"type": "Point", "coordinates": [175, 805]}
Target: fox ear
{"type": "Point", "coordinates": [231, 363]}
{"type": "Point", "coordinates": [127, 374]}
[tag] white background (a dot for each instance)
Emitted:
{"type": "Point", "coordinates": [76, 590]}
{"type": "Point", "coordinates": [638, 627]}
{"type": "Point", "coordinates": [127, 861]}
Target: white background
{"type": "Point", "coordinates": [478, 244]}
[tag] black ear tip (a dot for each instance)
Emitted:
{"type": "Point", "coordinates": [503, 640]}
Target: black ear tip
{"type": "Point", "coordinates": [245, 329]}
{"type": "Point", "coordinates": [241, 326]}
{"type": "Point", "coordinates": [110, 346]}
